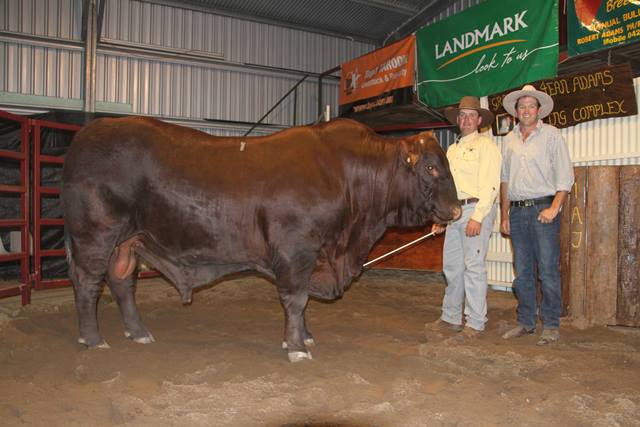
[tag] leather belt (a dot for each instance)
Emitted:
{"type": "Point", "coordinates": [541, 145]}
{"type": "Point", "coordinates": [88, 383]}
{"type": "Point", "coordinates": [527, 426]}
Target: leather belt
{"type": "Point", "coordinates": [531, 202]}
{"type": "Point", "coordinates": [469, 200]}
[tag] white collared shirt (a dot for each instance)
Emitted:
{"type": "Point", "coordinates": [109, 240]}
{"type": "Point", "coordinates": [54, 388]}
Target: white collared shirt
{"type": "Point", "coordinates": [475, 165]}
{"type": "Point", "coordinates": [537, 167]}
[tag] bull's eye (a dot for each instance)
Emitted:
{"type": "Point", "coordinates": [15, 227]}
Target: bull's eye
{"type": "Point", "coordinates": [430, 168]}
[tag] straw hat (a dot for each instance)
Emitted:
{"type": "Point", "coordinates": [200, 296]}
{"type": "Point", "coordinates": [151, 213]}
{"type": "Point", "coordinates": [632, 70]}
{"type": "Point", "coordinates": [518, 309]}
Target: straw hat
{"type": "Point", "coordinates": [546, 102]}
{"type": "Point", "coordinates": [469, 103]}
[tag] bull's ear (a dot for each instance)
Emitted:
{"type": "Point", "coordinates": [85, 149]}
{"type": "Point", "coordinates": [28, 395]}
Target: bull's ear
{"type": "Point", "coordinates": [409, 156]}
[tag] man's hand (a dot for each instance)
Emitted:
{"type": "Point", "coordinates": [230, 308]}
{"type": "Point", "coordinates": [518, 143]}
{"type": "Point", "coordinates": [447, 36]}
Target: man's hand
{"type": "Point", "coordinates": [438, 228]}
{"type": "Point", "coordinates": [505, 228]}
{"type": "Point", "coordinates": [473, 228]}
{"type": "Point", "coordinates": [547, 215]}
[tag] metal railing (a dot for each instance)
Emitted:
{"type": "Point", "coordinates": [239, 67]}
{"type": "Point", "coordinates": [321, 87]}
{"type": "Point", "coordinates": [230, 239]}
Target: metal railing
{"type": "Point", "coordinates": [39, 192]}
{"type": "Point", "coordinates": [21, 222]}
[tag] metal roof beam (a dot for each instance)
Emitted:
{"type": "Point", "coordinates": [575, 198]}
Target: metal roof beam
{"type": "Point", "coordinates": [402, 9]}
{"type": "Point", "coordinates": [264, 20]}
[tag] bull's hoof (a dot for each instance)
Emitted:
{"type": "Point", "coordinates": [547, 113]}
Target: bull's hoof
{"type": "Point", "coordinates": [298, 356]}
{"type": "Point", "coordinates": [309, 342]}
{"type": "Point", "coordinates": [148, 339]}
{"type": "Point", "coordinates": [145, 340]}
{"type": "Point", "coordinates": [101, 344]}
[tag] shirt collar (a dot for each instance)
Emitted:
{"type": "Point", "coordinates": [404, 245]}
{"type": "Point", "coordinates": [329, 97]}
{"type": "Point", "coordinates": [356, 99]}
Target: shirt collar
{"type": "Point", "coordinates": [536, 130]}
{"type": "Point", "coordinates": [468, 138]}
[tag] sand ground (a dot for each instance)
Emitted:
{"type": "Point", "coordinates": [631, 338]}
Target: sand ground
{"type": "Point", "coordinates": [218, 362]}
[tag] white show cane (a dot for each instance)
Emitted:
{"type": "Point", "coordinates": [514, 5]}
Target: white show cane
{"type": "Point", "coordinates": [419, 239]}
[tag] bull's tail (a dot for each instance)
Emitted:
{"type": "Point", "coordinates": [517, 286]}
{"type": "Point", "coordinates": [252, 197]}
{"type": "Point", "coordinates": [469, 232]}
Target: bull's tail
{"type": "Point", "coordinates": [67, 247]}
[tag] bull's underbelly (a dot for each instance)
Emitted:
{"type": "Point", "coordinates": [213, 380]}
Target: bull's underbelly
{"type": "Point", "coordinates": [194, 266]}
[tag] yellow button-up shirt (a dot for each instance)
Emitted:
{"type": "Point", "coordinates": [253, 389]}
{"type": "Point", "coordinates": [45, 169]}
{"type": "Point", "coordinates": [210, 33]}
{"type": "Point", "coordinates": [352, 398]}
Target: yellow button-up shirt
{"type": "Point", "coordinates": [475, 163]}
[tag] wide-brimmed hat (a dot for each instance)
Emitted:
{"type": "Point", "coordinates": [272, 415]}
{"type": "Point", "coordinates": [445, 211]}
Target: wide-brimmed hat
{"type": "Point", "coordinates": [546, 102]}
{"type": "Point", "coordinates": [469, 103]}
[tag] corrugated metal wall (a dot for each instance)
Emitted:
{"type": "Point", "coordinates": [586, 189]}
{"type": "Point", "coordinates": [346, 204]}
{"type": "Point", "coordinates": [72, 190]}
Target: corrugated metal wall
{"type": "Point", "coordinates": [456, 6]}
{"type": "Point", "coordinates": [165, 61]}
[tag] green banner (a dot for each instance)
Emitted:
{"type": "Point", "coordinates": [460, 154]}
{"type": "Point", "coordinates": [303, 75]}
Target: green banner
{"type": "Point", "coordinates": [487, 49]}
{"type": "Point", "coordinates": [600, 24]}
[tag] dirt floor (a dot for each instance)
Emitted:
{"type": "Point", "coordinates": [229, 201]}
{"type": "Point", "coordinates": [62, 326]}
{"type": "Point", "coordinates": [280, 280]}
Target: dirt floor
{"type": "Point", "coordinates": [218, 362]}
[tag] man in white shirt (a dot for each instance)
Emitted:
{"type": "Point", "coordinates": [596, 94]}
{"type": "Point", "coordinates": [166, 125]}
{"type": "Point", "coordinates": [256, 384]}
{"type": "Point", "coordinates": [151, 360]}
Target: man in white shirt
{"type": "Point", "coordinates": [537, 175]}
{"type": "Point", "coordinates": [475, 163]}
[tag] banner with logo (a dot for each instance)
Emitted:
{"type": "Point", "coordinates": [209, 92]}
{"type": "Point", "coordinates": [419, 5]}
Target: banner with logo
{"type": "Point", "coordinates": [486, 49]}
{"type": "Point", "coordinates": [579, 98]}
{"type": "Point", "coordinates": [373, 80]}
{"type": "Point", "coordinates": [600, 24]}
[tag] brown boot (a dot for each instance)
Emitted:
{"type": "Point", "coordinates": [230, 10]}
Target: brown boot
{"type": "Point", "coordinates": [517, 332]}
{"type": "Point", "coordinates": [549, 336]}
{"type": "Point", "coordinates": [468, 334]}
{"type": "Point", "coordinates": [443, 326]}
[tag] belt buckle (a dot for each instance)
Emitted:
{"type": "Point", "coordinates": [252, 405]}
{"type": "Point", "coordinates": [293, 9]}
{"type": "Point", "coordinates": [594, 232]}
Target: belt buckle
{"type": "Point", "coordinates": [528, 203]}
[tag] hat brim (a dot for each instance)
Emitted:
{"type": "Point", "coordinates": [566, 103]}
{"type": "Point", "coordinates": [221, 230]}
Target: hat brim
{"type": "Point", "coordinates": [451, 113]}
{"type": "Point", "coordinates": [546, 102]}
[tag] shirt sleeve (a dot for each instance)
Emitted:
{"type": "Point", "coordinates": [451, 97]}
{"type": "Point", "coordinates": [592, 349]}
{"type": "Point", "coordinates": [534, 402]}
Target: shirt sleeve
{"type": "Point", "coordinates": [563, 167]}
{"type": "Point", "coordinates": [489, 179]}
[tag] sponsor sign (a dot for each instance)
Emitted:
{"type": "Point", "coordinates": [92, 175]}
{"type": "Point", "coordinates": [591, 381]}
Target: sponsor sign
{"type": "Point", "coordinates": [486, 49]}
{"type": "Point", "coordinates": [373, 77]}
{"type": "Point", "coordinates": [579, 98]}
{"type": "Point", "coordinates": [600, 24]}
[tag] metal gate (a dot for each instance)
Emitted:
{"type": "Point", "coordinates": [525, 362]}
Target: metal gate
{"type": "Point", "coordinates": [40, 193]}
{"type": "Point", "coordinates": [19, 221]}
{"type": "Point", "coordinates": [32, 191]}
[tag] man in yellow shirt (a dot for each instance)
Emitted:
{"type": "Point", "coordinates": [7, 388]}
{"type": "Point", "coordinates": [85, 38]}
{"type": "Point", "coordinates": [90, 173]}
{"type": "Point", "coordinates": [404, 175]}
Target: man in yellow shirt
{"type": "Point", "coordinates": [475, 163]}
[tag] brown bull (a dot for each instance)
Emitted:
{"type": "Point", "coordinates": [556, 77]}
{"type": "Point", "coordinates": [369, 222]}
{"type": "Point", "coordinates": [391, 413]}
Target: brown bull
{"type": "Point", "coordinates": [303, 206]}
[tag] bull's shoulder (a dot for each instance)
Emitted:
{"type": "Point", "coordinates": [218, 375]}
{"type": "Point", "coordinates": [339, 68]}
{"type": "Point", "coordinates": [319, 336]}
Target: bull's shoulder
{"type": "Point", "coordinates": [346, 132]}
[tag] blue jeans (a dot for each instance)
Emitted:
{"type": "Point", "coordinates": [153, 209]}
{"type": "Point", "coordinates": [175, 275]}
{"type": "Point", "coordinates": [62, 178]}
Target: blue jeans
{"type": "Point", "coordinates": [536, 245]}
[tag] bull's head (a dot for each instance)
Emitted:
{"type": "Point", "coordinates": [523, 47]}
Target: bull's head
{"type": "Point", "coordinates": [436, 198]}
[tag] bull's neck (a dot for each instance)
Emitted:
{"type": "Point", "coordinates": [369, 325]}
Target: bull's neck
{"type": "Point", "coordinates": [402, 190]}
{"type": "Point", "coordinates": [386, 183]}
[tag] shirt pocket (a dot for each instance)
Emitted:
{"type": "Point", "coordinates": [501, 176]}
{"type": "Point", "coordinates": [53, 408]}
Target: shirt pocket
{"type": "Point", "coordinates": [470, 155]}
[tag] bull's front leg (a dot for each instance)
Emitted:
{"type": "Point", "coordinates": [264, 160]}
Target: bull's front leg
{"type": "Point", "coordinates": [295, 331]}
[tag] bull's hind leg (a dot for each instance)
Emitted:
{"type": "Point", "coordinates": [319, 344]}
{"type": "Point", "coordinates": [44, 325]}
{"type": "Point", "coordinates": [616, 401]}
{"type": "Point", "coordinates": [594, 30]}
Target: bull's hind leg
{"type": "Point", "coordinates": [121, 278]}
{"type": "Point", "coordinates": [92, 227]}
{"type": "Point", "coordinates": [87, 289]}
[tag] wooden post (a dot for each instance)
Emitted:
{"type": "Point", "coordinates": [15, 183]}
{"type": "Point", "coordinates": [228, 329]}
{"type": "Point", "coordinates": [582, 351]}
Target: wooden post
{"type": "Point", "coordinates": [628, 298]}
{"type": "Point", "coordinates": [565, 258]}
{"type": "Point", "coordinates": [602, 244]}
{"type": "Point", "coordinates": [577, 245]}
